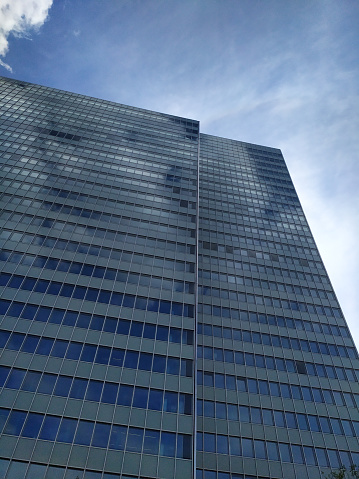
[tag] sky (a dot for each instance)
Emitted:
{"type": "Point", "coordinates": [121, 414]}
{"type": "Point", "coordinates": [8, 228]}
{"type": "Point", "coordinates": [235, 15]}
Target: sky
{"type": "Point", "coordinates": [272, 72]}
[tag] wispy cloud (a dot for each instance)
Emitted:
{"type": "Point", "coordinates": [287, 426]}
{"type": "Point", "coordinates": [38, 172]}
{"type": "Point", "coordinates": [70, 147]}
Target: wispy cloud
{"type": "Point", "coordinates": [19, 18]}
{"type": "Point", "coordinates": [5, 65]}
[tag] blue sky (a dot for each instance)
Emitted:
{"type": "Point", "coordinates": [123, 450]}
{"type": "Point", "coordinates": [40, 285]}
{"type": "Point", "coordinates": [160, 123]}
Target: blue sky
{"type": "Point", "coordinates": [273, 72]}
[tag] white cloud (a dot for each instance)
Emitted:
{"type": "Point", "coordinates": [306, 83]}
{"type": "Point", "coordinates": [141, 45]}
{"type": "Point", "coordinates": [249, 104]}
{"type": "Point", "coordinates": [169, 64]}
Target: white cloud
{"type": "Point", "coordinates": [19, 17]}
{"type": "Point", "coordinates": [5, 65]}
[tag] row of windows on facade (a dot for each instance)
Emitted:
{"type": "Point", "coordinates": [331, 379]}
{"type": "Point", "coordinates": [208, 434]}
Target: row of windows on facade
{"type": "Point", "coordinates": [161, 145]}
{"type": "Point", "coordinates": [251, 187]}
{"type": "Point", "coordinates": [277, 363]}
{"type": "Point", "coordinates": [273, 417]}
{"type": "Point", "coordinates": [104, 201]}
{"type": "Point", "coordinates": [253, 231]}
{"type": "Point", "coordinates": [142, 240]}
{"type": "Point", "coordinates": [39, 157]}
{"type": "Point", "coordinates": [98, 132]}
{"type": "Point", "coordinates": [51, 169]}
{"type": "Point", "coordinates": [92, 353]}
{"type": "Point", "coordinates": [93, 232]}
{"type": "Point", "coordinates": [313, 293]}
{"type": "Point", "coordinates": [15, 89]}
{"type": "Point", "coordinates": [229, 195]}
{"type": "Point", "coordinates": [292, 267]}
{"type": "Point", "coordinates": [81, 149]}
{"type": "Point", "coordinates": [276, 389]}
{"type": "Point", "coordinates": [89, 433]}
{"type": "Point", "coordinates": [239, 253]}
{"type": "Point", "coordinates": [96, 322]}
{"type": "Point", "coordinates": [150, 261]}
{"type": "Point", "coordinates": [237, 243]}
{"type": "Point", "coordinates": [272, 320]}
{"type": "Point", "coordinates": [252, 203]}
{"type": "Point", "coordinates": [248, 163]}
{"type": "Point", "coordinates": [93, 156]}
{"type": "Point", "coordinates": [100, 216]}
{"type": "Point", "coordinates": [284, 342]}
{"type": "Point", "coordinates": [207, 474]}
{"type": "Point", "coordinates": [248, 221]}
{"type": "Point", "coordinates": [297, 306]}
{"type": "Point", "coordinates": [100, 118]}
{"type": "Point", "coordinates": [273, 451]}
{"type": "Point", "coordinates": [17, 469]}
{"type": "Point", "coordinates": [93, 390]}
{"type": "Point", "coordinates": [238, 214]}
{"type": "Point", "coordinates": [252, 175]}
{"type": "Point", "coordinates": [83, 269]}
{"type": "Point", "coordinates": [84, 135]}
{"type": "Point", "coordinates": [250, 268]}
{"type": "Point", "coordinates": [113, 113]}
{"type": "Point", "coordinates": [139, 183]}
{"type": "Point", "coordinates": [97, 295]}
{"type": "Point", "coordinates": [185, 157]}
{"type": "Point", "coordinates": [118, 162]}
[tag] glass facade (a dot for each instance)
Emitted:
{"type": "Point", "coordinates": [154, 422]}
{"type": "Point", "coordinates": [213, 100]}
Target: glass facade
{"type": "Point", "coordinates": [164, 309]}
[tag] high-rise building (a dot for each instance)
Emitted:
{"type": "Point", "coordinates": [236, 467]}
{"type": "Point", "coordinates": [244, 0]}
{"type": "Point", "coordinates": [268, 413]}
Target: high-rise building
{"type": "Point", "coordinates": [165, 311]}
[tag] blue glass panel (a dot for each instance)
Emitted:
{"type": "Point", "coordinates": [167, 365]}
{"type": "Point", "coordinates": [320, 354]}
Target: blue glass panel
{"type": "Point", "coordinates": [74, 351]}
{"type": "Point", "coordinates": [94, 390]}
{"type": "Point", "coordinates": [116, 298]}
{"type": "Point", "coordinates": [78, 388]}
{"type": "Point", "coordinates": [49, 428]}
{"type": "Point", "coordinates": [140, 398]}
{"type": "Point", "coordinates": [209, 442]}
{"type": "Point", "coordinates": [149, 331]}
{"type": "Point", "coordinates": [59, 348]}
{"type": "Point", "coordinates": [63, 385]}
{"type": "Point", "coordinates": [29, 312]}
{"type": "Point", "coordinates": [15, 423]}
{"type": "Point", "coordinates": [4, 336]}
{"type": "Point", "coordinates": [184, 446]}
{"type": "Point", "coordinates": [125, 395]}
{"type": "Point", "coordinates": [31, 381]}
{"type": "Point", "coordinates": [15, 341]}
{"type": "Point", "coordinates": [118, 438]}
{"type": "Point", "coordinates": [102, 355]}
{"type": "Point", "coordinates": [79, 292]}
{"type": "Point", "coordinates": [70, 318]}
{"type": "Point", "coordinates": [155, 400]}
{"type": "Point", "coordinates": [84, 433]}
{"type": "Point", "coordinates": [88, 353]}
{"type": "Point", "coordinates": [47, 383]}
{"type": "Point", "coordinates": [44, 347]}
{"type": "Point", "coordinates": [83, 320]}
{"type": "Point", "coordinates": [43, 314]}
{"type": "Point", "coordinates": [151, 442]}
{"type": "Point", "coordinates": [101, 435]}
{"type": "Point", "coordinates": [109, 394]}
{"type": "Point", "coordinates": [117, 357]}
{"type": "Point", "coordinates": [123, 326]}
{"type": "Point", "coordinates": [3, 417]}
{"type": "Point", "coordinates": [170, 403]}
{"type": "Point", "coordinates": [4, 371]}
{"type": "Point", "coordinates": [131, 359]}
{"type": "Point", "coordinates": [110, 325]}
{"type": "Point", "coordinates": [134, 439]}
{"type": "Point", "coordinates": [67, 430]}
{"type": "Point", "coordinates": [4, 305]}
{"type": "Point", "coordinates": [15, 379]}
{"type": "Point", "coordinates": [159, 363]}
{"type": "Point", "coordinates": [32, 425]}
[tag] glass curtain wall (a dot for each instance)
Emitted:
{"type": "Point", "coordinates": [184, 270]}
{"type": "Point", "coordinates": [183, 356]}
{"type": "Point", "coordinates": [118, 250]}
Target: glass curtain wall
{"type": "Point", "coordinates": [98, 265]}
